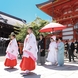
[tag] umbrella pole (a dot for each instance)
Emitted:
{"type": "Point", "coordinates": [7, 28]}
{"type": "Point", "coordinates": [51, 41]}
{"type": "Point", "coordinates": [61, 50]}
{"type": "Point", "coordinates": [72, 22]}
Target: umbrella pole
{"type": "Point", "coordinates": [53, 31]}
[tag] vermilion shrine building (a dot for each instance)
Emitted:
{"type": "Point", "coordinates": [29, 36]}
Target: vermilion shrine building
{"type": "Point", "coordinates": [64, 12]}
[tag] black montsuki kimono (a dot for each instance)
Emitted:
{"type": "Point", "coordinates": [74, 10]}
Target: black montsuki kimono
{"type": "Point", "coordinates": [41, 55]}
{"type": "Point", "coordinates": [42, 46]}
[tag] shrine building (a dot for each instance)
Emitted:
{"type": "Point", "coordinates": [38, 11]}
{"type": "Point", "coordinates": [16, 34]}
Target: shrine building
{"type": "Point", "coordinates": [8, 24]}
{"type": "Point", "coordinates": [64, 12]}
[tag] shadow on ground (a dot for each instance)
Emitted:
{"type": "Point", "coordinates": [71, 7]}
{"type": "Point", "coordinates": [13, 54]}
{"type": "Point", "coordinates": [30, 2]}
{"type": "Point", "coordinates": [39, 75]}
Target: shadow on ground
{"type": "Point", "coordinates": [31, 75]}
{"type": "Point", "coordinates": [10, 69]}
{"type": "Point", "coordinates": [65, 67]}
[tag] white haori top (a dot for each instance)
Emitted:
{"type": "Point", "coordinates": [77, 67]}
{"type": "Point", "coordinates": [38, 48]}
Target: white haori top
{"type": "Point", "coordinates": [12, 49]}
{"type": "Point", "coordinates": [30, 47]}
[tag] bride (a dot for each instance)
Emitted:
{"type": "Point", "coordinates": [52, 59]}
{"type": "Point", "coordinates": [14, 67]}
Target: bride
{"type": "Point", "coordinates": [52, 55]}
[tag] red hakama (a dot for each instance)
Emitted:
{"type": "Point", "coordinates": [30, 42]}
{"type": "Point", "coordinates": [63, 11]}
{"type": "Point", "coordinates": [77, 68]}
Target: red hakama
{"type": "Point", "coordinates": [10, 63]}
{"type": "Point", "coordinates": [29, 53]}
{"type": "Point", "coordinates": [11, 54]}
{"type": "Point", "coordinates": [27, 64]}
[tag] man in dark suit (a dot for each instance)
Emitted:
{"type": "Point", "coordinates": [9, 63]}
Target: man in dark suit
{"type": "Point", "coordinates": [71, 50]}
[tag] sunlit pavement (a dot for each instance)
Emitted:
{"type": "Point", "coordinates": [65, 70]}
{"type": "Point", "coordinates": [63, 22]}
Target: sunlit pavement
{"type": "Point", "coordinates": [69, 70]}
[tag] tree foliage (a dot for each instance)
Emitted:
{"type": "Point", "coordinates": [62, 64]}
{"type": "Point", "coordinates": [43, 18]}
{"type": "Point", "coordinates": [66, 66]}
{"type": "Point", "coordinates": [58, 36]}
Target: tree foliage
{"type": "Point", "coordinates": [37, 24]}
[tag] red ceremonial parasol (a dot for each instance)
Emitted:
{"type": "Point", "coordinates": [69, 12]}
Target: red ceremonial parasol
{"type": "Point", "coordinates": [52, 27]}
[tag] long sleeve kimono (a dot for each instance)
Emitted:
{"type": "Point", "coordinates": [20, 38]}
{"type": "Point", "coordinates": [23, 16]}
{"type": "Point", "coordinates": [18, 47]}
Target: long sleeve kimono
{"type": "Point", "coordinates": [41, 55]}
{"type": "Point", "coordinates": [52, 55]}
{"type": "Point", "coordinates": [12, 53]}
{"type": "Point", "coordinates": [29, 53]}
{"type": "Point", "coordinates": [60, 54]}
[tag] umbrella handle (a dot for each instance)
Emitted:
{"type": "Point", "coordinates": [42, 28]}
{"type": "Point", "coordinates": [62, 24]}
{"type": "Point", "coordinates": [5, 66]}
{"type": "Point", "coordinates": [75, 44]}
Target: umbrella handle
{"type": "Point", "coordinates": [53, 31]}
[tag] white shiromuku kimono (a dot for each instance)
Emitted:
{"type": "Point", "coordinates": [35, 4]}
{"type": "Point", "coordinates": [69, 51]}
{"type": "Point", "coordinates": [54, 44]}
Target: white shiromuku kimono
{"type": "Point", "coordinates": [29, 53]}
{"type": "Point", "coordinates": [12, 53]}
{"type": "Point", "coordinates": [52, 55]}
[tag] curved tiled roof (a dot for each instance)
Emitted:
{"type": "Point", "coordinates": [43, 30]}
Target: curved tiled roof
{"type": "Point", "coordinates": [41, 4]}
{"type": "Point", "coordinates": [9, 19]}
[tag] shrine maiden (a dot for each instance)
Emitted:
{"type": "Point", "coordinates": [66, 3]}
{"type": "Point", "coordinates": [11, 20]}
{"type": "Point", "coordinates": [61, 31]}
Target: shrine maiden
{"type": "Point", "coordinates": [29, 53]}
{"type": "Point", "coordinates": [52, 56]}
{"type": "Point", "coordinates": [12, 52]}
{"type": "Point", "coordinates": [60, 53]}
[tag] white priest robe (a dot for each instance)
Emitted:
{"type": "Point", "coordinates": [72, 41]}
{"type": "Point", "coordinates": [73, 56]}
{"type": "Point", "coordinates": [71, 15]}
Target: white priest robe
{"type": "Point", "coordinates": [29, 53]}
{"type": "Point", "coordinates": [52, 55]}
{"type": "Point", "coordinates": [12, 53]}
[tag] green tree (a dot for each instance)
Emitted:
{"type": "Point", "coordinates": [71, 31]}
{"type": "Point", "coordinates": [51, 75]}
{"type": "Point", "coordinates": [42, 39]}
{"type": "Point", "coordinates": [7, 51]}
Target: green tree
{"type": "Point", "coordinates": [37, 24]}
{"type": "Point", "coordinates": [20, 37]}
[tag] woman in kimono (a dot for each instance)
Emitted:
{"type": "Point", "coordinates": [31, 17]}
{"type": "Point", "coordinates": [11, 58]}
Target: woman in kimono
{"type": "Point", "coordinates": [52, 56]}
{"type": "Point", "coordinates": [41, 51]}
{"type": "Point", "coordinates": [29, 53]}
{"type": "Point", "coordinates": [12, 52]}
{"type": "Point", "coordinates": [60, 53]}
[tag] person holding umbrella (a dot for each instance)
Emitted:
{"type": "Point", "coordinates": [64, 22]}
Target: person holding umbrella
{"type": "Point", "coordinates": [41, 50]}
{"type": "Point", "coordinates": [60, 53]}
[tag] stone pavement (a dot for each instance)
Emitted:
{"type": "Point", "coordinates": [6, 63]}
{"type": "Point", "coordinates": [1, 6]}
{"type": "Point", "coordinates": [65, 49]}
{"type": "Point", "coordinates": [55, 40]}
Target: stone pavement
{"type": "Point", "coordinates": [69, 70]}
